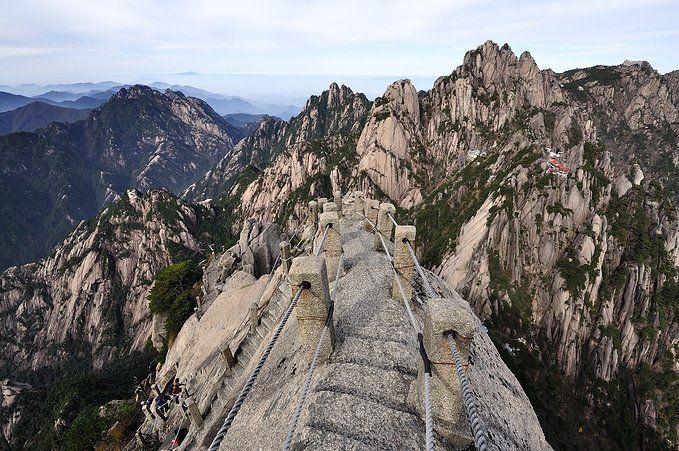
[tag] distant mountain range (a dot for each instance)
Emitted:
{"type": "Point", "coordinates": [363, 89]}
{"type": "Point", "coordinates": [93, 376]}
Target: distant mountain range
{"type": "Point", "coordinates": [37, 115]}
{"type": "Point", "coordinates": [92, 95]}
{"type": "Point", "coordinates": [64, 173]}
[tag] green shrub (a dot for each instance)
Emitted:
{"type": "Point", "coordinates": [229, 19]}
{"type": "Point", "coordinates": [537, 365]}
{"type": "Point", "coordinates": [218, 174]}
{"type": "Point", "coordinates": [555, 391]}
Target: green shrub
{"type": "Point", "coordinates": [382, 115]}
{"type": "Point", "coordinates": [86, 430]}
{"type": "Point", "coordinates": [171, 283]}
{"type": "Point", "coordinates": [179, 312]}
{"type": "Point", "coordinates": [573, 272]}
{"type": "Point", "coordinates": [173, 294]}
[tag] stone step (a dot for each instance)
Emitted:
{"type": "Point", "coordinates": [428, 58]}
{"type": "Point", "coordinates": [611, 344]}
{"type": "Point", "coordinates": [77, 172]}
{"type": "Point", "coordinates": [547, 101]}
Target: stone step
{"type": "Point", "coordinates": [389, 355]}
{"type": "Point", "coordinates": [268, 321]}
{"type": "Point", "coordinates": [255, 340]}
{"type": "Point", "coordinates": [383, 386]}
{"type": "Point", "coordinates": [245, 354]}
{"type": "Point", "coordinates": [369, 423]}
{"type": "Point", "coordinates": [249, 348]}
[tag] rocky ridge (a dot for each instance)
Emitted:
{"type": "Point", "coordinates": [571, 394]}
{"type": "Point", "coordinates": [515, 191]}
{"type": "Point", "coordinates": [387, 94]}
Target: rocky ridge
{"type": "Point", "coordinates": [140, 138]}
{"type": "Point", "coordinates": [363, 397]}
{"type": "Point", "coordinates": [86, 303]}
{"type": "Point", "coordinates": [545, 251]}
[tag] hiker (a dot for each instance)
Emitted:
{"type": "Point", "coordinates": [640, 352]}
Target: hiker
{"type": "Point", "coordinates": [176, 390]}
{"type": "Point", "coordinates": [162, 405]}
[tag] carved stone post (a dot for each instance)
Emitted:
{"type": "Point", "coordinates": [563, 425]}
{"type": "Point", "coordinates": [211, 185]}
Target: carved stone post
{"type": "Point", "coordinates": [253, 316]}
{"type": "Point", "coordinates": [321, 202]}
{"type": "Point", "coordinates": [370, 212]}
{"type": "Point", "coordinates": [403, 262]}
{"type": "Point", "coordinates": [194, 413]}
{"type": "Point", "coordinates": [313, 213]}
{"type": "Point", "coordinates": [333, 242]}
{"type": "Point", "coordinates": [443, 316]}
{"type": "Point", "coordinates": [147, 411]}
{"type": "Point", "coordinates": [313, 305]}
{"type": "Point", "coordinates": [358, 203]}
{"type": "Point", "coordinates": [332, 207]}
{"type": "Point", "coordinates": [286, 260]}
{"type": "Point", "coordinates": [329, 206]}
{"type": "Point", "coordinates": [337, 197]}
{"type": "Point", "coordinates": [384, 225]}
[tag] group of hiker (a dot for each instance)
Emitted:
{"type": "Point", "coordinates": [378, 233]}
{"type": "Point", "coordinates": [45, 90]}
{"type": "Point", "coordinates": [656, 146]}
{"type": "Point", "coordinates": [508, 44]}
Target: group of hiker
{"type": "Point", "coordinates": [161, 403]}
{"type": "Point", "coordinates": [173, 393]}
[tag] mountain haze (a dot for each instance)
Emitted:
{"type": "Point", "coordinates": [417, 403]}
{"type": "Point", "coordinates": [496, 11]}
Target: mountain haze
{"type": "Point", "coordinates": [65, 173]}
{"type": "Point", "coordinates": [37, 115]}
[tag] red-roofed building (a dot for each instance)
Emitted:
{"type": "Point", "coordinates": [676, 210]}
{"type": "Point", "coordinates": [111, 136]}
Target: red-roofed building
{"type": "Point", "coordinates": [555, 165]}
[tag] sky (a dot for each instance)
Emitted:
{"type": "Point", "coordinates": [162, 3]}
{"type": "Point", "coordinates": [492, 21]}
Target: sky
{"type": "Point", "coordinates": [131, 41]}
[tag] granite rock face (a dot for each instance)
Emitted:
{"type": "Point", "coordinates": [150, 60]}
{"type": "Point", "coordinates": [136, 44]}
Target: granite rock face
{"type": "Point", "coordinates": [255, 253]}
{"type": "Point", "coordinates": [546, 200]}
{"type": "Point", "coordinates": [102, 271]}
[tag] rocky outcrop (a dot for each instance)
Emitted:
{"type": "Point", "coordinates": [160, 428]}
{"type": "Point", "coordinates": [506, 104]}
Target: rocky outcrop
{"type": "Point", "coordinates": [9, 392]}
{"type": "Point", "coordinates": [386, 145]}
{"type": "Point", "coordinates": [86, 303]}
{"type": "Point", "coordinates": [255, 150]}
{"type": "Point", "coordinates": [521, 182]}
{"type": "Point", "coordinates": [545, 199]}
{"type": "Point", "coordinates": [568, 258]}
{"type": "Point", "coordinates": [255, 253]}
{"type": "Point", "coordinates": [313, 155]}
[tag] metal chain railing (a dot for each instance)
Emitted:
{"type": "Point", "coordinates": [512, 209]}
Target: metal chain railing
{"type": "Point", "coordinates": [427, 285]}
{"type": "Point", "coordinates": [320, 245]}
{"type": "Point", "coordinates": [428, 422]}
{"type": "Point", "coordinates": [216, 442]}
{"type": "Point", "coordinates": [478, 427]}
{"type": "Point", "coordinates": [307, 381]}
{"type": "Point", "coordinates": [393, 221]}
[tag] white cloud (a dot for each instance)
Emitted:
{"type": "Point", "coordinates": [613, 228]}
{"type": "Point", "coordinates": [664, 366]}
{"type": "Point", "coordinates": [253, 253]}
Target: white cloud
{"type": "Point", "coordinates": [104, 38]}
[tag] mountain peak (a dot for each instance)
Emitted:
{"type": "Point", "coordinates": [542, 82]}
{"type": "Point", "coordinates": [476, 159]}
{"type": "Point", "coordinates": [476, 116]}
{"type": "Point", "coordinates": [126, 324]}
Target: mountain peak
{"type": "Point", "coordinates": [134, 91]}
{"type": "Point", "coordinates": [489, 55]}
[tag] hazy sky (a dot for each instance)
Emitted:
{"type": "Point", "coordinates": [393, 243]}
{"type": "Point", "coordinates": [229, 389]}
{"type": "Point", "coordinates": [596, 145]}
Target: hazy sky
{"type": "Point", "coordinates": [68, 41]}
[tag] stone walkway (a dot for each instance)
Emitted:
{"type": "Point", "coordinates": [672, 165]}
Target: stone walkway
{"type": "Point", "coordinates": [369, 376]}
{"type": "Point", "coordinates": [362, 398]}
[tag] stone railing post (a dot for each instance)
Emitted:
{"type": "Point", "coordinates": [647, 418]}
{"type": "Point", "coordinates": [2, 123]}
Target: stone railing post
{"type": "Point", "coordinates": [337, 197]}
{"type": "Point", "coordinates": [194, 413]}
{"type": "Point", "coordinates": [228, 359]}
{"type": "Point", "coordinates": [313, 213]}
{"type": "Point", "coordinates": [286, 260]}
{"type": "Point", "coordinates": [333, 242]}
{"type": "Point", "coordinates": [441, 317]}
{"type": "Point", "coordinates": [332, 206]}
{"type": "Point", "coordinates": [321, 202]}
{"type": "Point", "coordinates": [358, 204]}
{"type": "Point", "coordinates": [370, 212]}
{"type": "Point", "coordinates": [329, 206]}
{"type": "Point", "coordinates": [403, 262]}
{"type": "Point", "coordinates": [313, 305]}
{"type": "Point", "coordinates": [253, 317]}
{"type": "Point", "coordinates": [384, 225]}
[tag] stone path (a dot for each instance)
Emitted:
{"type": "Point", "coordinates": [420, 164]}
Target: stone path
{"type": "Point", "coordinates": [368, 377]}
